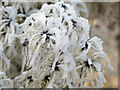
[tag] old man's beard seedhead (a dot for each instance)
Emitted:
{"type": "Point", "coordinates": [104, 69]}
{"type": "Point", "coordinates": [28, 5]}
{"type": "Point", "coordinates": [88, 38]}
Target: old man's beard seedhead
{"type": "Point", "coordinates": [58, 51]}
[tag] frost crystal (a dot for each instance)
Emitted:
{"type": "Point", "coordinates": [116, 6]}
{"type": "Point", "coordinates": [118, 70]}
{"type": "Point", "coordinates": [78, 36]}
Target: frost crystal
{"type": "Point", "coordinates": [56, 48]}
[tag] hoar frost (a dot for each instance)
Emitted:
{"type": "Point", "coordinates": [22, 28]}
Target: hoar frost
{"type": "Point", "coordinates": [58, 51]}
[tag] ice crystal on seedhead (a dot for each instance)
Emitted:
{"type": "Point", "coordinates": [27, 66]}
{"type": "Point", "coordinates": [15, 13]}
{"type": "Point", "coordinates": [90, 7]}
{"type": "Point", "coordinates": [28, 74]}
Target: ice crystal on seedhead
{"type": "Point", "coordinates": [56, 47]}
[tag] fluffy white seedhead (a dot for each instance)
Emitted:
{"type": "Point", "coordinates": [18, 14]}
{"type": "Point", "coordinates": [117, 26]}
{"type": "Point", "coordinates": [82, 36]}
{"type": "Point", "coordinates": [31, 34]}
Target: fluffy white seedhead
{"type": "Point", "coordinates": [4, 65]}
{"type": "Point", "coordinates": [4, 62]}
{"type": "Point", "coordinates": [4, 81]}
{"type": "Point", "coordinates": [7, 25]}
{"type": "Point", "coordinates": [58, 51]}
